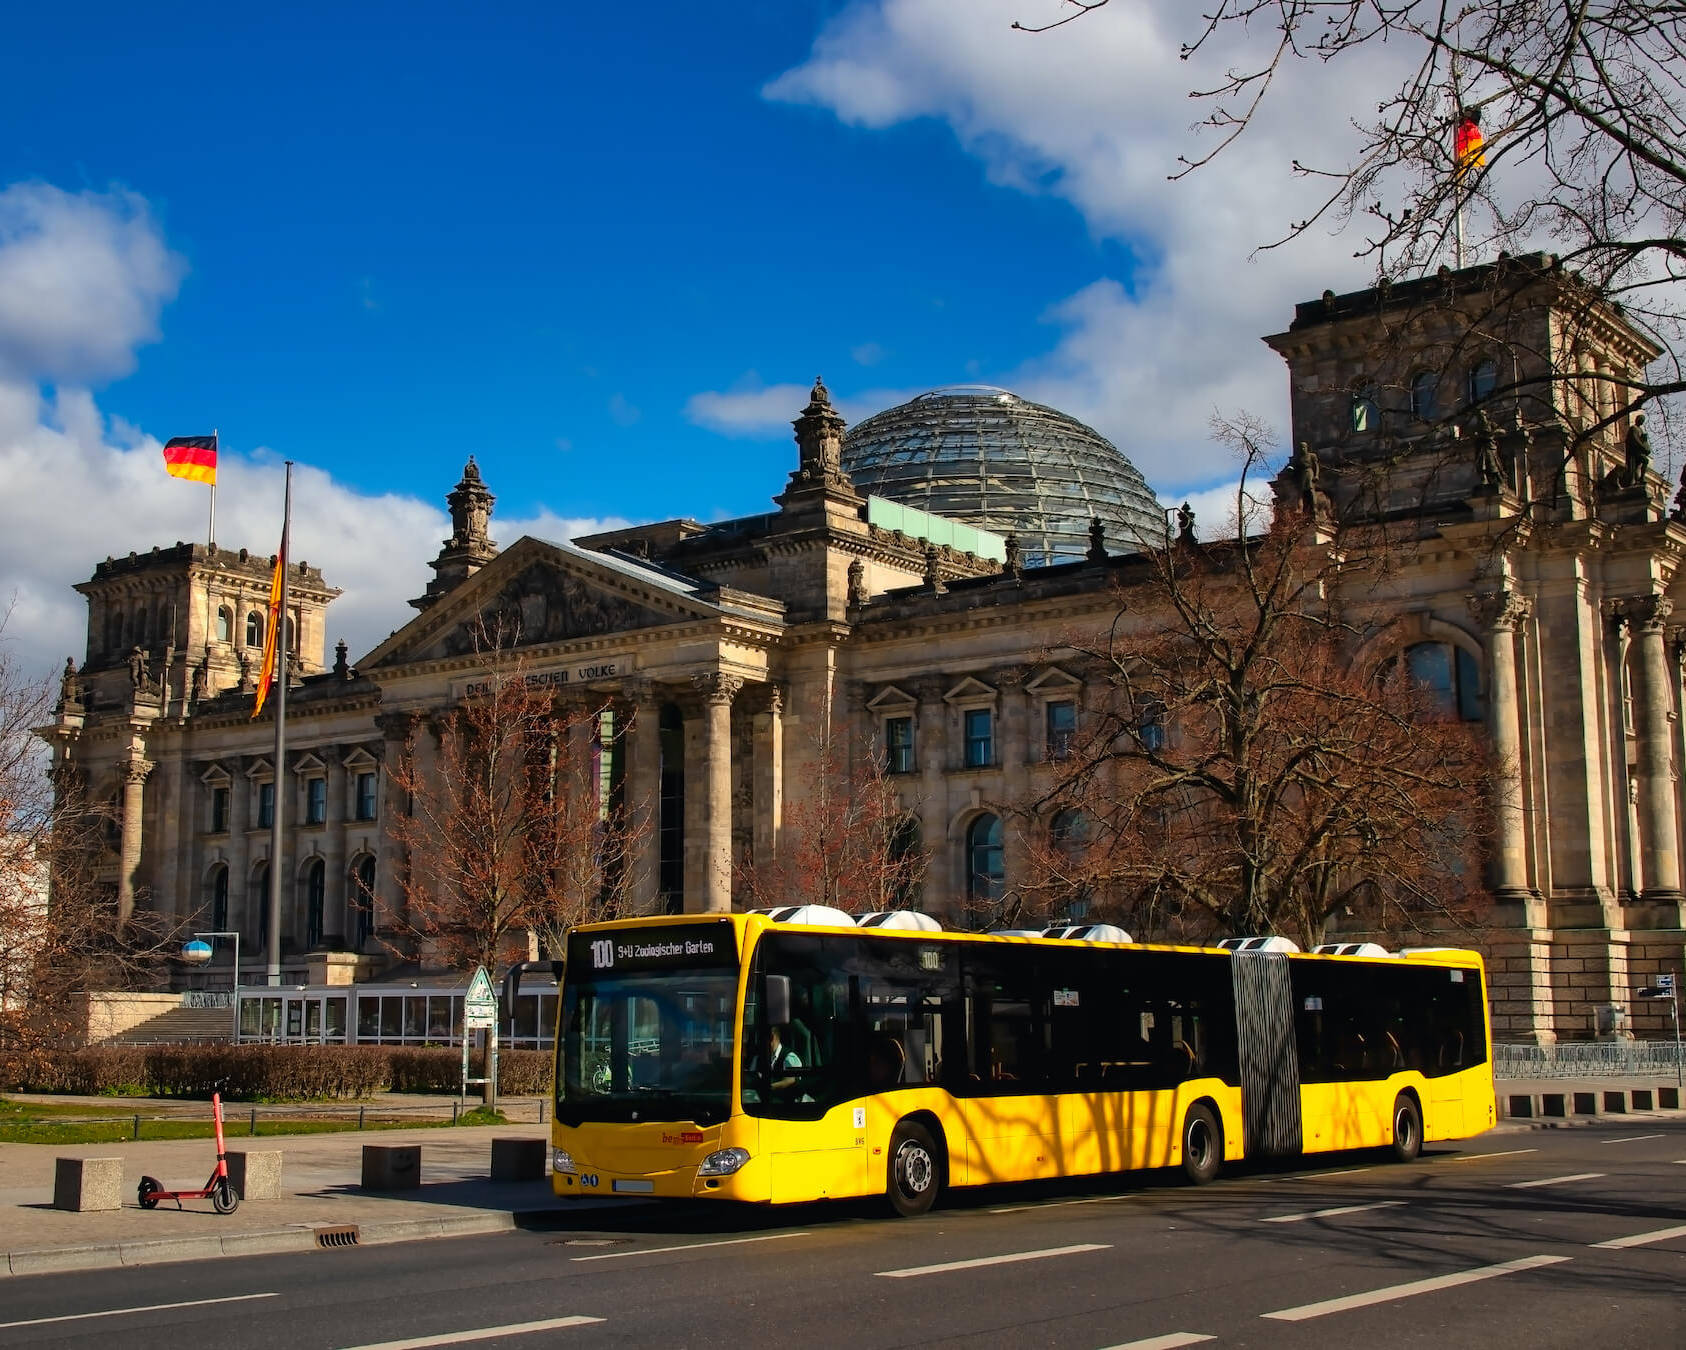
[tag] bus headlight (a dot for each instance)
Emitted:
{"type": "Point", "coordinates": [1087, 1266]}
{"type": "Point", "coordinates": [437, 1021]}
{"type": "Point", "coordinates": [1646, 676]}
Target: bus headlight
{"type": "Point", "coordinates": [723, 1162]}
{"type": "Point", "coordinates": [562, 1161]}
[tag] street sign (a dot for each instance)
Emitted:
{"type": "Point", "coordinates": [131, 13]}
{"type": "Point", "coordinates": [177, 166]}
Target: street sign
{"type": "Point", "coordinates": [480, 1003]}
{"type": "Point", "coordinates": [1666, 983]}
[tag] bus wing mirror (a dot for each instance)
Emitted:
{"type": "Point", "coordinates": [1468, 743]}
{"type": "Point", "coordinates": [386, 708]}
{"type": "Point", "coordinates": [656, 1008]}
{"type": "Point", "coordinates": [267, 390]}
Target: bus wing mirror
{"type": "Point", "coordinates": [512, 985]}
{"type": "Point", "coordinates": [778, 1000]}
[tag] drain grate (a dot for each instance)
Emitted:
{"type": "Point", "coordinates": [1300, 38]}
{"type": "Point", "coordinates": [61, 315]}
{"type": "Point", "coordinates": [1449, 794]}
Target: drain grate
{"type": "Point", "coordinates": [589, 1242]}
{"type": "Point", "coordinates": [342, 1235]}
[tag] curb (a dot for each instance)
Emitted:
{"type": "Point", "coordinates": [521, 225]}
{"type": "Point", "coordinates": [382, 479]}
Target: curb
{"type": "Point", "coordinates": [261, 1242]}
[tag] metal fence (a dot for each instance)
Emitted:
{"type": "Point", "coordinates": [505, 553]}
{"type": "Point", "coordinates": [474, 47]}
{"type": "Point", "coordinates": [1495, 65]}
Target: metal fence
{"type": "Point", "coordinates": [1587, 1059]}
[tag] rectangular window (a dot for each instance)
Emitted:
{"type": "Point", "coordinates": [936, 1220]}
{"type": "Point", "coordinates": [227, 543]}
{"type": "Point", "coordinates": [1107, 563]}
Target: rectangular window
{"type": "Point", "coordinates": [898, 745]}
{"type": "Point", "coordinates": [266, 805]}
{"type": "Point", "coordinates": [365, 796]}
{"type": "Point", "coordinates": [980, 739]}
{"type": "Point", "coordinates": [1062, 728]}
{"type": "Point", "coordinates": [315, 801]}
{"type": "Point", "coordinates": [219, 810]}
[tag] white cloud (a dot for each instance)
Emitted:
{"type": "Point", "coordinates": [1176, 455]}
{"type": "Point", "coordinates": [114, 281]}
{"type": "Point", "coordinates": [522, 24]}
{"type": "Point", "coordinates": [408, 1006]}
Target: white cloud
{"type": "Point", "coordinates": [754, 411]}
{"type": "Point", "coordinates": [867, 354]}
{"type": "Point", "coordinates": [1097, 113]}
{"type": "Point", "coordinates": [621, 412]}
{"type": "Point", "coordinates": [79, 488]}
{"type": "Point", "coordinates": [83, 278]}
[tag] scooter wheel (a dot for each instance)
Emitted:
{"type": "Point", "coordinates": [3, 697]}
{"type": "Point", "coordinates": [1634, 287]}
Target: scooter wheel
{"type": "Point", "coordinates": [148, 1191]}
{"type": "Point", "coordinates": [223, 1197]}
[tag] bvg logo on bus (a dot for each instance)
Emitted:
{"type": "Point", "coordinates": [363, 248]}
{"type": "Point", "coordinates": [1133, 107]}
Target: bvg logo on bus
{"type": "Point", "coordinates": [684, 1137]}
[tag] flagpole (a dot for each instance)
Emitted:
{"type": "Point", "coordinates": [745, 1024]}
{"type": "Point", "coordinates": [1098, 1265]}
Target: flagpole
{"type": "Point", "coordinates": [211, 533]}
{"type": "Point", "coordinates": [272, 944]}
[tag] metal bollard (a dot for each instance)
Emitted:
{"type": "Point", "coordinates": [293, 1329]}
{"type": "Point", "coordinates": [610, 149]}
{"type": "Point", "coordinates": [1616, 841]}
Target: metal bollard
{"type": "Point", "coordinates": [137, 1127]}
{"type": "Point", "coordinates": [360, 1111]}
{"type": "Point", "coordinates": [253, 1130]}
{"type": "Point", "coordinates": [454, 1107]}
{"type": "Point", "coordinates": [541, 1110]}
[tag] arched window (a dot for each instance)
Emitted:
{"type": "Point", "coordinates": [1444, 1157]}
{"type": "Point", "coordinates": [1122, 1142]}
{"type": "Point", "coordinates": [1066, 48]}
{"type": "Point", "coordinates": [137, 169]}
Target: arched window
{"type": "Point", "coordinates": [254, 629]}
{"type": "Point", "coordinates": [1483, 379]}
{"type": "Point", "coordinates": [1451, 675]}
{"type": "Point", "coordinates": [1366, 416]}
{"type": "Point", "coordinates": [1425, 396]}
{"type": "Point", "coordinates": [1070, 832]}
{"type": "Point", "coordinates": [986, 872]}
{"type": "Point", "coordinates": [114, 630]}
{"type": "Point", "coordinates": [219, 898]}
{"type": "Point", "coordinates": [363, 900]}
{"type": "Point", "coordinates": [315, 901]}
{"type": "Point", "coordinates": [225, 624]}
{"type": "Point", "coordinates": [143, 626]}
{"type": "Point", "coordinates": [257, 903]}
{"type": "Point", "coordinates": [292, 636]}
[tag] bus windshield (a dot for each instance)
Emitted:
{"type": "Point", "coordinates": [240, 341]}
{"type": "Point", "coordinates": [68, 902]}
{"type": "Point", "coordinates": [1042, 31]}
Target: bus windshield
{"type": "Point", "coordinates": [648, 1026]}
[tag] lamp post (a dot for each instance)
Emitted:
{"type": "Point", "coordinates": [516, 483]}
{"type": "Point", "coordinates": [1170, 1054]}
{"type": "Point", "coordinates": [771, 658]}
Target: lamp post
{"type": "Point", "coordinates": [198, 953]}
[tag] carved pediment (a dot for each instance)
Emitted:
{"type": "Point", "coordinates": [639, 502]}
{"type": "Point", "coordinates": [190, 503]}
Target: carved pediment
{"type": "Point", "coordinates": [536, 594]}
{"type": "Point", "coordinates": [542, 605]}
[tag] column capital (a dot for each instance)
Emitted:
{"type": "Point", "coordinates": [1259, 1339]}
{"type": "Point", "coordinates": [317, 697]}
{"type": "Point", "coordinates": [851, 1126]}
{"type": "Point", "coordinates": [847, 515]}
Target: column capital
{"type": "Point", "coordinates": [135, 769]}
{"type": "Point", "coordinates": [639, 691]}
{"type": "Point", "coordinates": [1649, 613]}
{"type": "Point", "coordinates": [1499, 611]}
{"type": "Point", "coordinates": [717, 687]}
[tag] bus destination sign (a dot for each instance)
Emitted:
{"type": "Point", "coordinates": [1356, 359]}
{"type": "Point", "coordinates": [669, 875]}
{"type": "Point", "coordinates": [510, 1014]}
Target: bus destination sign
{"type": "Point", "coordinates": [678, 945]}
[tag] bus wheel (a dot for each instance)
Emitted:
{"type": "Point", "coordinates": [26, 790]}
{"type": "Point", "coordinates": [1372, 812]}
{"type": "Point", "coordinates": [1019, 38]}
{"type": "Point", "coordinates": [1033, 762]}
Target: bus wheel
{"type": "Point", "coordinates": [1407, 1128]}
{"type": "Point", "coordinates": [1203, 1146]}
{"type": "Point", "coordinates": [914, 1178]}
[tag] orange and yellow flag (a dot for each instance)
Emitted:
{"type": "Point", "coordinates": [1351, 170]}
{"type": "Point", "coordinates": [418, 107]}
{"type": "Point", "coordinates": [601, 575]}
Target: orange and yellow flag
{"type": "Point", "coordinates": [272, 633]}
{"type": "Point", "coordinates": [1468, 143]}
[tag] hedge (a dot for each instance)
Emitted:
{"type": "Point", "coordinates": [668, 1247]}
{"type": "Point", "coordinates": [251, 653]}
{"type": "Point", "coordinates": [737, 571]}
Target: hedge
{"type": "Point", "coordinates": [271, 1072]}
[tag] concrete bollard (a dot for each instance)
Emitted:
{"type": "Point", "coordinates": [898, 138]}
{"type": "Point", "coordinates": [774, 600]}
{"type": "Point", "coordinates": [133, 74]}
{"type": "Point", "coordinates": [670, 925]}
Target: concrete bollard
{"type": "Point", "coordinates": [391, 1167]}
{"type": "Point", "coordinates": [518, 1159]}
{"type": "Point", "coordinates": [88, 1183]}
{"type": "Point", "coordinates": [255, 1174]}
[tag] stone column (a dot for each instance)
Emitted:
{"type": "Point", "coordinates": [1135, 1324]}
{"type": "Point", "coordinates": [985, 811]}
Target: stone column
{"type": "Point", "coordinates": [134, 769]}
{"type": "Point", "coordinates": [1647, 617]}
{"type": "Point", "coordinates": [387, 901]}
{"type": "Point", "coordinates": [768, 770]}
{"type": "Point", "coordinates": [708, 766]}
{"type": "Point", "coordinates": [1499, 613]}
{"type": "Point", "coordinates": [643, 793]}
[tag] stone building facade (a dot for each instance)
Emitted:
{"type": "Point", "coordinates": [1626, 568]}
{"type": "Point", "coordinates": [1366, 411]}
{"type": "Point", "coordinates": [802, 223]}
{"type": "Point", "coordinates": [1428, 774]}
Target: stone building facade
{"type": "Point", "coordinates": [1533, 565]}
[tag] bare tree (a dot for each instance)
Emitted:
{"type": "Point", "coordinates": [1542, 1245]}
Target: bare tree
{"type": "Point", "coordinates": [1582, 111]}
{"type": "Point", "coordinates": [1251, 768]}
{"type": "Point", "coordinates": [849, 840]}
{"type": "Point", "coordinates": [511, 827]}
{"type": "Point", "coordinates": [59, 930]}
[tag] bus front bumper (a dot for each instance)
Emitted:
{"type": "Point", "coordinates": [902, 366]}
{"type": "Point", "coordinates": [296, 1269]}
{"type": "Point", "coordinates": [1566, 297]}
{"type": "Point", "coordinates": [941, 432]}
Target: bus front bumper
{"type": "Point", "coordinates": [703, 1177]}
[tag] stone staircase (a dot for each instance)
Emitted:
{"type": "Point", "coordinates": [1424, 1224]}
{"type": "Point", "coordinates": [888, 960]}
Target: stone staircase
{"type": "Point", "coordinates": [180, 1025]}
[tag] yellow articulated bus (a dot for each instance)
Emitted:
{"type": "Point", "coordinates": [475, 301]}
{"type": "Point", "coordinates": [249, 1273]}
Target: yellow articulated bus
{"type": "Point", "coordinates": [752, 1057]}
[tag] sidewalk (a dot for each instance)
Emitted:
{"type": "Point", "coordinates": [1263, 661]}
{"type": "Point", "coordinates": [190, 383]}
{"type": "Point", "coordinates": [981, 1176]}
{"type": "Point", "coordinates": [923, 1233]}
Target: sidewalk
{"type": "Point", "coordinates": [319, 1190]}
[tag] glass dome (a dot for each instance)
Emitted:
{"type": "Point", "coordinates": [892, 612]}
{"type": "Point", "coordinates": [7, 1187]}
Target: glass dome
{"type": "Point", "coordinates": [997, 461]}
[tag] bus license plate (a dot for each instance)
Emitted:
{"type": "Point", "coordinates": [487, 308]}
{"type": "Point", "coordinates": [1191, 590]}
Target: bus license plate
{"type": "Point", "coordinates": [634, 1187]}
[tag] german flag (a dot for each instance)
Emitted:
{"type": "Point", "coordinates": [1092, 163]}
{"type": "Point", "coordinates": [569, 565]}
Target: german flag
{"type": "Point", "coordinates": [271, 634]}
{"type": "Point", "coordinates": [192, 457]}
{"type": "Point", "coordinates": [1468, 142]}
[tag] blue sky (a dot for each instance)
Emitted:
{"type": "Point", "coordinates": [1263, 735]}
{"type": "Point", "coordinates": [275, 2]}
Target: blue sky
{"type": "Point", "coordinates": [604, 251]}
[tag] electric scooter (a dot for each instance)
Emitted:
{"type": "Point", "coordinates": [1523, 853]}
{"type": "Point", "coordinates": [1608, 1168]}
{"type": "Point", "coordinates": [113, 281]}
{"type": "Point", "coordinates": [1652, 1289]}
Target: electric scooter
{"type": "Point", "coordinates": [219, 1190]}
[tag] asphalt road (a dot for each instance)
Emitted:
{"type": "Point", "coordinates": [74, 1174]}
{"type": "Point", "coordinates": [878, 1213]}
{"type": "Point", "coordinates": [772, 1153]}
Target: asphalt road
{"type": "Point", "coordinates": [1544, 1238]}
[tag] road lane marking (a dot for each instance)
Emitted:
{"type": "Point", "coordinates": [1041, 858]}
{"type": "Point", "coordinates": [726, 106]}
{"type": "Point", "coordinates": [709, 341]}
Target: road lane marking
{"type": "Point", "coordinates": [1055, 1204]}
{"type": "Point", "coordinates": [1169, 1341]}
{"type": "Point", "coordinates": [1553, 1181]}
{"type": "Point", "coordinates": [1318, 1176]}
{"type": "Point", "coordinates": [1643, 1239]}
{"type": "Point", "coordinates": [1330, 1213]}
{"type": "Point", "coordinates": [1006, 1260]}
{"type": "Point", "coordinates": [688, 1247]}
{"type": "Point", "coordinates": [1395, 1291]}
{"type": "Point", "coordinates": [1630, 1138]}
{"type": "Point", "coordinates": [1507, 1153]}
{"type": "Point", "coordinates": [479, 1334]}
{"type": "Point", "coordinates": [149, 1307]}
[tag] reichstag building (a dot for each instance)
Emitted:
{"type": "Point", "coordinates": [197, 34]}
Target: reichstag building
{"type": "Point", "coordinates": [913, 573]}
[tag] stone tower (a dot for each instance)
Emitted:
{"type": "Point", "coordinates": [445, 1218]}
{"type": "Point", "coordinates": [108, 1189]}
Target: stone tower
{"type": "Point", "coordinates": [470, 547]}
